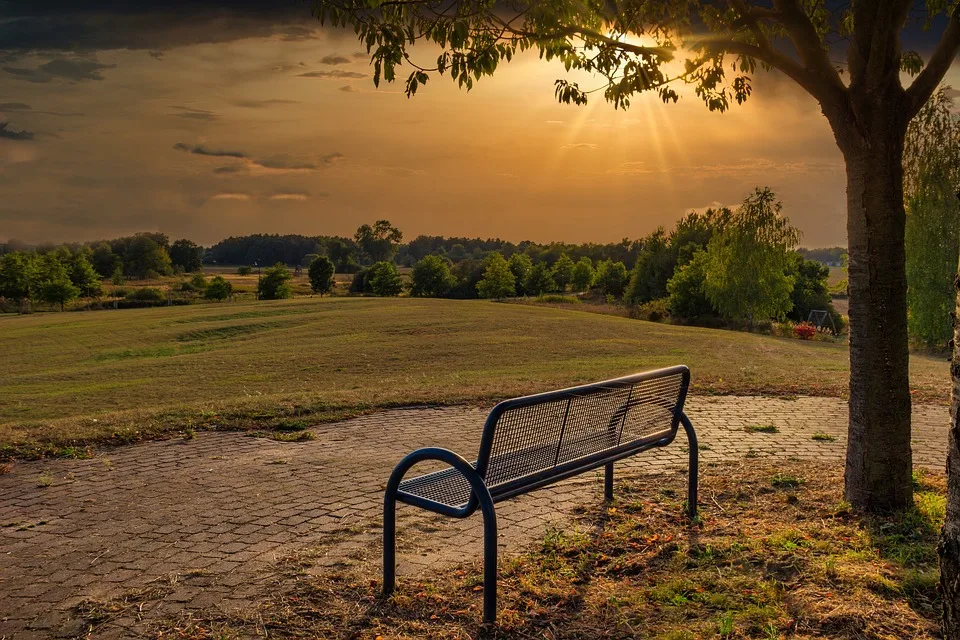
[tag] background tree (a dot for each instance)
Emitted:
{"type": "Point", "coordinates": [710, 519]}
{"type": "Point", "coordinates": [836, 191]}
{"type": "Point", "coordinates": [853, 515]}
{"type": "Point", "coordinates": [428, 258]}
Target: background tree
{"type": "Point", "coordinates": [611, 278]}
{"type": "Point", "coordinates": [53, 280]}
{"type": "Point", "coordinates": [83, 276]}
{"type": "Point", "coordinates": [321, 273]}
{"type": "Point", "coordinates": [380, 241]}
{"type": "Point", "coordinates": [562, 272]}
{"type": "Point", "coordinates": [219, 289]}
{"type": "Point", "coordinates": [520, 265]}
{"type": "Point", "coordinates": [383, 279]}
{"type": "Point", "coordinates": [146, 257]}
{"type": "Point", "coordinates": [186, 256]}
{"type": "Point", "coordinates": [722, 43]}
{"type": "Point", "coordinates": [582, 276]}
{"type": "Point", "coordinates": [931, 180]}
{"type": "Point", "coordinates": [275, 283]}
{"type": "Point", "coordinates": [539, 280]}
{"type": "Point", "coordinates": [498, 280]}
{"type": "Point", "coordinates": [432, 278]}
{"type": "Point", "coordinates": [18, 275]}
{"type": "Point", "coordinates": [244, 270]}
{"type": "Point", "coordinates": [810, 291]}
{"type": "Point", "coordinates": [685, 289]}
{"type": "Point", "coordinates": [655, 265]}
{"type": "Point", "coordinates": [343, 252]}
{"type": "Point", "coordinates": [747, 263]}
{"type": "Point", "coordinates": [105, 261]}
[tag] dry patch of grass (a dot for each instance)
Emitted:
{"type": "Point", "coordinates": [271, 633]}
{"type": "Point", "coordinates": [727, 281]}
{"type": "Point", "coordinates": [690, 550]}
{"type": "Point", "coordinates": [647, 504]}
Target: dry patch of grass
{"type": "Point", "coordinates": [767, 559]}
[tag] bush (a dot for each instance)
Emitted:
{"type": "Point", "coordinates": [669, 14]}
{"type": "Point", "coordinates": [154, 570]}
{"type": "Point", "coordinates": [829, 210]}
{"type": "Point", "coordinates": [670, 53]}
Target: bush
{"type": "Point", "coordinates": [652, 311]}
{"type": "Point", "coordinates": [244, 271]}
{"type": "Point", "coordinates": [218, 289]}
{"type": "Point", "coordinates": [275, 284]}
{"type": "Point", "coordinates": [687, 299]}
{"type": "Point", "coordinates": [804, 331]}
{"type": "Point", "coordinates": [146, 294]}
{"type": "Point", "coordinates": [556, 298]}
{"type": "Point", "coordinates": [321, 272]}
{"type": "Point", "coordinates": [119, 293]}
{"type": "Point", "coordinates": [383, 279]}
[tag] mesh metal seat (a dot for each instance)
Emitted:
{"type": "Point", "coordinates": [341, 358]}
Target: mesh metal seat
{"type": "Point", "coordinates": [537, 440]}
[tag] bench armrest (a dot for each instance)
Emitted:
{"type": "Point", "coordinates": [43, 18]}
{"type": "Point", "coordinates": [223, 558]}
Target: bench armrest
{"type": "Point", "coordinates": [479, 494]}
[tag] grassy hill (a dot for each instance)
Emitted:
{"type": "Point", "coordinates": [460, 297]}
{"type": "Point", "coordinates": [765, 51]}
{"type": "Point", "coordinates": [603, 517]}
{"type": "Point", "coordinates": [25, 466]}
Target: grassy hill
{"type": "Point", "coordinates": [75, 378]}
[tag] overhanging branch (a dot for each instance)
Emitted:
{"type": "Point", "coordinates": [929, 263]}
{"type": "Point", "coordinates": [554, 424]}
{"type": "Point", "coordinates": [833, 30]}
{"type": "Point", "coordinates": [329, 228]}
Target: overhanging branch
{"type": "Point", "coordinates": [926, 82]}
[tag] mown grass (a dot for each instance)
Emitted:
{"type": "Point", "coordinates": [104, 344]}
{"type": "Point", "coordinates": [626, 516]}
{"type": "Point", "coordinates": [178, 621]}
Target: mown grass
{"type": "Point", "coordinates": [762, 562]}
{"type": "Point", "coordinates": [71, 380]}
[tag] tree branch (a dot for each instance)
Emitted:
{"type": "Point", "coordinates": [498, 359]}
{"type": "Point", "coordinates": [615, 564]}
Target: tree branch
{"type": "Point", "coordinates": [926, 82]}
{"type": "Point", "coordinates": [807, 41]}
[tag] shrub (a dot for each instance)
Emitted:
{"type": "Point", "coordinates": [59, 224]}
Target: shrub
{"type": "Point", "coordinates": [198, 282]}
{"type": "Point", "coordinates": [244, 271]}
{"type": "Point", "coordinates": [321, 273]}
{"type": "Point", "coordinates": [556, 298]}
{"type": "Point", "coordinates": [119, 293]}
{"type": "Point", "coordinates": [383, 279]}
{"type": "Point", "coordinates": [275, 283]}
{"type": "Point", "coordinates": [804, 331]}
{"type": "Point", "coordinates": [687, 299]}
{"type": "Point", "coordinates": [146, 294]}
{"type": "Point", "coordinates": [218, 289]}
{"type": "Point", "coordinates": [653, 311]}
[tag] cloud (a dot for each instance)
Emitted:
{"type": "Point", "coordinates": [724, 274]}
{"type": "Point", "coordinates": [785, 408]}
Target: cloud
{"type": "Point", "coordinates": [30, 75]}
{"type": "Point", "coordinates": [334, 73]}
{"type": "Point", "coordinates": [289, 196]}
{"type": "Point", "coordinates": [262, 104]}
{"type": "Point", "coordinates": [231, 196]}
{"type": "Point", "coordinates": [200, 150]}
{"type": "Point", "coordinates": [13, 134]}
{"type": "Point", "coordinates": [580, 146]}
{"type": "Point", "coordinates": [334, 59]}
{"type": "Point", "coordinates": [151, 25]}
{"type": "Point", "coordinates": [195, 114]}
{"type": "Point", "coordinates": [158, 55]}
{"type": "Point", "coordinates": [270, 164]}
{"type": "Point", "coordinates": [22, 107]}
{"type": "Point", "coordinates": [348, 89]}
{"type": "Point", "coordinates": [75, 70]}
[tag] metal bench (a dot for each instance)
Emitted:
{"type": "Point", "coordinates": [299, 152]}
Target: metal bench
{"type": "Point", "coordinates": [536, 440]}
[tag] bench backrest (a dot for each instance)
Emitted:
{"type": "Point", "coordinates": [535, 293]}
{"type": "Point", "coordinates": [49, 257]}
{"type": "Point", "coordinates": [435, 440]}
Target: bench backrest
{"type": "Point", "coordinates": [532, 440]}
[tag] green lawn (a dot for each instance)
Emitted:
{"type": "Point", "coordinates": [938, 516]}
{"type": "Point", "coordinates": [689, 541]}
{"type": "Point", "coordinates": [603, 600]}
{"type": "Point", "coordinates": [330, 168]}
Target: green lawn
{"type": "Point", "coordinates": [70, 379]}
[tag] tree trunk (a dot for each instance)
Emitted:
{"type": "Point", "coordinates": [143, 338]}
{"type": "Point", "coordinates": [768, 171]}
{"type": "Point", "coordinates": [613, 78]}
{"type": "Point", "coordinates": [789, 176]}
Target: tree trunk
{"type": "Point", "coordinates": [879, 459]}
{"type": "Point", "coordinates": [950, 536]}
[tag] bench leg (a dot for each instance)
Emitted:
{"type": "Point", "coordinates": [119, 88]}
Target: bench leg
{"type": "Point", "coordinates": [608, 482]}
{"type": "Point", "coordinates": [489, 560]}
{"type": "Point", "coordinates": [389, 542]}
{"type": "Point", "coordinates": [694, 469]}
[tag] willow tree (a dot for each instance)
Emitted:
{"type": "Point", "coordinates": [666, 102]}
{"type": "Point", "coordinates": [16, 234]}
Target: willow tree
{"type": "Point", "coordinates": [950, 536]}
{"type": "Point", "coordinates": [637, 46]}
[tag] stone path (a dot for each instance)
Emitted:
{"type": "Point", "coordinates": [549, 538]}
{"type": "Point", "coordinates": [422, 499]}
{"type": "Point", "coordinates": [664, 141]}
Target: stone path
{"type": "Point", "coordinates": [208, 517]}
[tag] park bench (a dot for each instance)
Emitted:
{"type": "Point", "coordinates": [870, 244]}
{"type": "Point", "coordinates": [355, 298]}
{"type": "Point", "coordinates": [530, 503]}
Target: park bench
{"type": "Point", "coordinates": [536, 440]}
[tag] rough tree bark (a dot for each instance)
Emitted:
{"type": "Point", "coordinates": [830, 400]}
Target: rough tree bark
{"type": "Point", "coordinates": [879, 465]}
{"type": "Point", "coordinates": [950, 536]}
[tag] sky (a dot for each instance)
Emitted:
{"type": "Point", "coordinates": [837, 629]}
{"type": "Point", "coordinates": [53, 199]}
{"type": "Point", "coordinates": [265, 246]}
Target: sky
{"type": "Point", "coordinates": [203, 121]}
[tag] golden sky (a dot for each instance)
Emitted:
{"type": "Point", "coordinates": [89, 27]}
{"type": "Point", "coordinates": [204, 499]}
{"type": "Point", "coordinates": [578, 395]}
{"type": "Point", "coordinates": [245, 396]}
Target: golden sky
{"type": "Point", "coordinates": [281, 134]}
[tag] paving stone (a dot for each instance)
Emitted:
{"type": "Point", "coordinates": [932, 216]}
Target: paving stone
{"type": "Point", "coordinates": [171, 508]}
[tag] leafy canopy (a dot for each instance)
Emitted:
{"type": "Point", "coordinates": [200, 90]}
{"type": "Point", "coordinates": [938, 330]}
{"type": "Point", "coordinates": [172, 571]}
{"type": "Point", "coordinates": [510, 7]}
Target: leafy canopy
{"type": "Point", "coordinates": [636, 46]}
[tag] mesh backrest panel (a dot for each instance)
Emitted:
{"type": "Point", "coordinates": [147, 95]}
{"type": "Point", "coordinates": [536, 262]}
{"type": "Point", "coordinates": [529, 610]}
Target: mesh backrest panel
{"type": "Point", "coordinates": [534, 438]}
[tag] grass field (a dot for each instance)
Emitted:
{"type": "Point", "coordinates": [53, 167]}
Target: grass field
{"type": "Point", "coordinates": [72, 379]}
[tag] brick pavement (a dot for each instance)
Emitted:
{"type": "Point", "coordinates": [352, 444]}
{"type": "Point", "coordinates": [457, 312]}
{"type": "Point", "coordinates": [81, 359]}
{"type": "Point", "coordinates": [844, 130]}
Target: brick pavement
{"type": "Point", "coordinates": [206, 519]}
